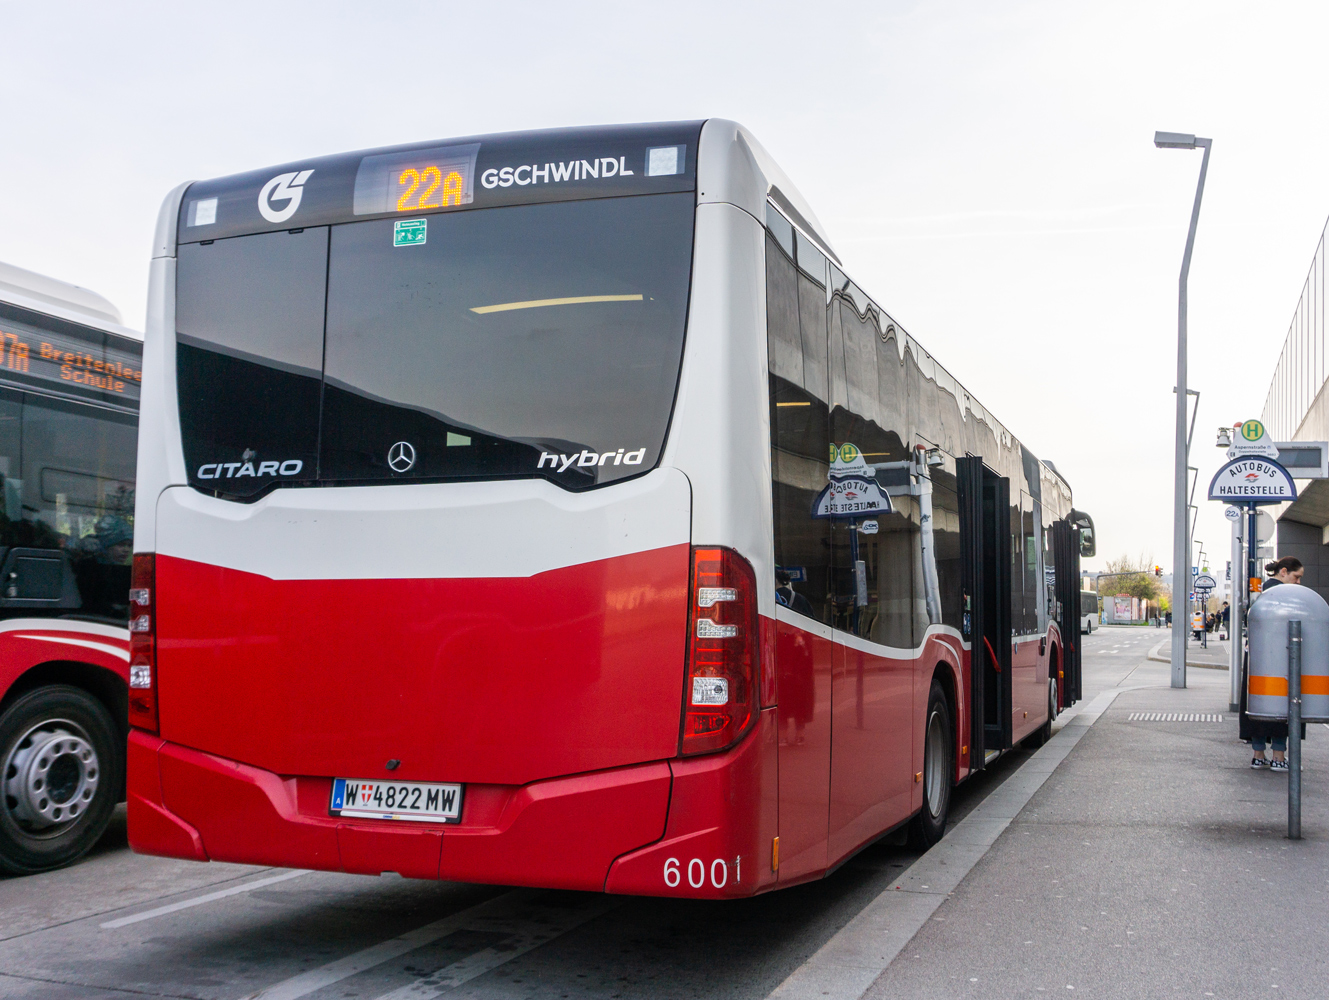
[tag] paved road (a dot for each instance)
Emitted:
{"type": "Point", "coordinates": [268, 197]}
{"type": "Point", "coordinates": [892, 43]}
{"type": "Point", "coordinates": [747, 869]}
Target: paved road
{"type": "Point", "coordinates": [118, 924]}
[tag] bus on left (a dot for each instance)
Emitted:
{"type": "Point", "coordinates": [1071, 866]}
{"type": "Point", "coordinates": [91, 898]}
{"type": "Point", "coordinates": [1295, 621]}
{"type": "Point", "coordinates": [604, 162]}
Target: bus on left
{"type": "Point", "coordinates": [70, 373]}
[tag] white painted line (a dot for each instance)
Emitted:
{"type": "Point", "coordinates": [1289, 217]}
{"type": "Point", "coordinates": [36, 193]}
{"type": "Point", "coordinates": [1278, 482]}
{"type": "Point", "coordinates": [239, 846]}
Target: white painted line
{"type": "Point", "coordinates": [527, 935]}
{"type": "Point", "coordinates": [847, 965]}
{"type": "Point", "coordinates": [185, 904]}
{"type": "Point", "coordinates": [384, 951]}
{"type": "Point", "coordinates": [509, 913]}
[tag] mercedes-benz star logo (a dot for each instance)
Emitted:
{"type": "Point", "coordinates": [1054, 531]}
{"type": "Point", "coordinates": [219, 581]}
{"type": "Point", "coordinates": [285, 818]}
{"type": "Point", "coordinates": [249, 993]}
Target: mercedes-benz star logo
{"type": "Point", "coordinates": [401, 456]}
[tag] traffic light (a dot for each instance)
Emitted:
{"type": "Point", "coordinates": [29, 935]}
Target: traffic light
{"type": "Point", "coordinates": [1158, 571]}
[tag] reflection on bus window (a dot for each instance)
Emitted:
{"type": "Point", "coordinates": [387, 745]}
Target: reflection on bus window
{"type": "Point", "coordinates": [67, 476]}
{"type": "Point", "coordinates": [800, 432]}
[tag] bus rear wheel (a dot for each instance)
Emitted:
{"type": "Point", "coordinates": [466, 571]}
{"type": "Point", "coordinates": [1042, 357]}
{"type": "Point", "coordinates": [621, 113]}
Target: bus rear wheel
{"type": "Point", "coordinates": [927, 827]}
{"type": "Point", "coordinates": [60, 771]}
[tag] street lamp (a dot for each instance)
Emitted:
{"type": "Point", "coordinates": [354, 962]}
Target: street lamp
{"type": "Point", "coordinates": [1180, 544]}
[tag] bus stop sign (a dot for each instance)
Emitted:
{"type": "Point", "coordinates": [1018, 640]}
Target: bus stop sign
{"type": "Point", "coordinates": [1252, 481]}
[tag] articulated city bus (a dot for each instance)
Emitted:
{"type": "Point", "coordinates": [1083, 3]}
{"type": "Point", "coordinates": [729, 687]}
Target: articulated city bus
{"type": "Point", "coordinates": [550, 509]}
{"type": "Point", "coordinates": [69, 388]}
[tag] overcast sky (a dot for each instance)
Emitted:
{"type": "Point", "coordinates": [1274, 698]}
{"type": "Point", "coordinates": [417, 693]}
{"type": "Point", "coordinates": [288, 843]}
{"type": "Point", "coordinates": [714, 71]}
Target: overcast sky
{"type": "Point", "coordinates": [986, 170]}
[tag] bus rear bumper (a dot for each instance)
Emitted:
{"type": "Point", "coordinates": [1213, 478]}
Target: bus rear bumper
{"type": "Point", "coordinates": [154, 829]}
{"type": "Point", "coordinates": [561, 833]}
{"type": "Point", "coordinates": [723, 817]}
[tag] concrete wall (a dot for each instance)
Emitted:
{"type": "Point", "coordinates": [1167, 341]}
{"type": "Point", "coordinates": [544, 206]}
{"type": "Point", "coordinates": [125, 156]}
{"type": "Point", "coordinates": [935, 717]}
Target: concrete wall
{"type": "Point", "coordinates": [1304, 542]}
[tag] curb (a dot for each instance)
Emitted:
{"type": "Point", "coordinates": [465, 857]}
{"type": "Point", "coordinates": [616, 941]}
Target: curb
{"type": "Point", "coordinates": [1153, 655]}
{"type": "Point", "coordinates": [847, 965]}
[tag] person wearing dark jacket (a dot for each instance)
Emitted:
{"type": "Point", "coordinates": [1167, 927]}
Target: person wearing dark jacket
{"type": "Point", "coordinates": [1285, 570]}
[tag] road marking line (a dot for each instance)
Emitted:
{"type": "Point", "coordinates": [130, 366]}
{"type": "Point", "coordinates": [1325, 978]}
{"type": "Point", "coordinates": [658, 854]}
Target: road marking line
{"type": "Point", "coordinates": [847, 965]}
{"type": "Point", "coordinates": [500, 913]}
{"type": "Point", "coordinates": [185, 904]}
{"type": "Point", "coordinates": [523, 939]}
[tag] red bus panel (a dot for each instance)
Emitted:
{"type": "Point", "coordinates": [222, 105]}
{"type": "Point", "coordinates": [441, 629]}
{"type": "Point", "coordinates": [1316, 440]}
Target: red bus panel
{"type": "Point", "coordinates": [871, 746]}
{"type": "Point", "coordinates": [804, 664]}
{"type": "Point", "coordinates": [495, 680]}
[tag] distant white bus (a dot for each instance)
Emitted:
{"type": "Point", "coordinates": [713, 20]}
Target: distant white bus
{"type": "Point", "coordinates": [1088, 611]}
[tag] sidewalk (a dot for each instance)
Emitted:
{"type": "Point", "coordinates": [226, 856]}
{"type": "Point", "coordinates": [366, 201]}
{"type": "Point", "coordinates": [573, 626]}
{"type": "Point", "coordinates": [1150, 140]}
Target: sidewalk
{"type": "Point", "coordinates": [1216, 657]}
{"type": "Point", "coordinates": [1153, 862]}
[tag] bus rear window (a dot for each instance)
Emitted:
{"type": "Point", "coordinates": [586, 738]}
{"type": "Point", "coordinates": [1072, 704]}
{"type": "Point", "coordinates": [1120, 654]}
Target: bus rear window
{"type": "Point", "coordinates": [249, 353]}
{"type": "Point", "coordinates": [539, 340]}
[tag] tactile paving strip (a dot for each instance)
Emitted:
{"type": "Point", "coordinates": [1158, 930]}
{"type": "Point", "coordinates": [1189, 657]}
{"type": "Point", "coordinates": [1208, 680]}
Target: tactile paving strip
{"type": "Point", "coordinates": [1173, 717]}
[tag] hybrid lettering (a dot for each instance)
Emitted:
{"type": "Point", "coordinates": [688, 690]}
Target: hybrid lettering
{"type": "Point", "coordinates": [587, 459]}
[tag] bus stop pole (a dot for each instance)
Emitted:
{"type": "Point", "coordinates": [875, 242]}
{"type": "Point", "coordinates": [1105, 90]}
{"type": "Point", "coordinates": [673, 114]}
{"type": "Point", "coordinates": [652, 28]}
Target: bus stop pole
{"type": "Point", "coordinates": [1294, 730]}
{"type": "Point", "coordinates": [1236, 608]}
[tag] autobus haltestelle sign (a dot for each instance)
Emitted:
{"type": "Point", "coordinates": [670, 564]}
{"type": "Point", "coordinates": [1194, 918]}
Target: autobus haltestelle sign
{"type": "Point", "coordinates": [1258, 480]}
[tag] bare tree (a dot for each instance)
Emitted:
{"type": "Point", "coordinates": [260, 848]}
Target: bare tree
{"type": "Point", "coordinates": [1130, 575]}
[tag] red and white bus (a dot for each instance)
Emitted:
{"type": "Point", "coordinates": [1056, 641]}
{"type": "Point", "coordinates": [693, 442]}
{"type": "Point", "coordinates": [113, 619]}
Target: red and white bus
{"type": "Point", "coordinates": [550, 509]}
{"type": "Point", "coordinates": [69, 386]}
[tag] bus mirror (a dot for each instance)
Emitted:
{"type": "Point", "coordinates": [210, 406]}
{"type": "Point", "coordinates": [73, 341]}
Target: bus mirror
{"type": "Point", "coordinates": [1088, 546]}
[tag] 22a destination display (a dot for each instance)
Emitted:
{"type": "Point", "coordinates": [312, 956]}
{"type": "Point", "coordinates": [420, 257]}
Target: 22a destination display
{"type": "Point", "coordinates": [416, 181]}
{"type": "Point", "coordinates": [445, 176]}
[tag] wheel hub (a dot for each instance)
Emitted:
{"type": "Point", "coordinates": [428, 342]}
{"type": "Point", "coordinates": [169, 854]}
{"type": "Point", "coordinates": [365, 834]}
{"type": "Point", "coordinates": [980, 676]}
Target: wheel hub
{"type": "Point", "coordinates": [935, 763]}
{"type": "Point", "coordinates": [50, 776]}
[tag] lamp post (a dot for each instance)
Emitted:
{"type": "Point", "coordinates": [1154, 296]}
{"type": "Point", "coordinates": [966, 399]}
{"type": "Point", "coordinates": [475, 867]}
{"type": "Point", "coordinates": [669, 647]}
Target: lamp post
{"type": "Point", "coordinates": [1181, 568]}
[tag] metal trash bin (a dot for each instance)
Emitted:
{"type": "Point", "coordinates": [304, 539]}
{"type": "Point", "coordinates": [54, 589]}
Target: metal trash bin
{"type": "Point", "coordinates": [1266, 683]}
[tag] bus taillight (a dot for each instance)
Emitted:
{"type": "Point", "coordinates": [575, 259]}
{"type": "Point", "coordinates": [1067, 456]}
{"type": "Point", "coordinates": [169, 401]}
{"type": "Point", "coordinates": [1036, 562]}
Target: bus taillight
{"type": "Point", "coordinates": [143, 643]}
{"type": "Point", "coordinates": [720, 697]}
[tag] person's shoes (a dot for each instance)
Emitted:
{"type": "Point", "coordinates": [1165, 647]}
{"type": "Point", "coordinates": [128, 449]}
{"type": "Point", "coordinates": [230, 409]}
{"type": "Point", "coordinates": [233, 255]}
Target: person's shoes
{"type": "Point", "coordinates": [1258, 763]}
{"type": "Point", "coordinates": [1278, 765]}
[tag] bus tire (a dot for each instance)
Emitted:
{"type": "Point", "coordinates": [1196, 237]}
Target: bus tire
{"type": "Point", "coordinates": [929, 824]}
{"type": "Point", "coordinates": [61, 768]}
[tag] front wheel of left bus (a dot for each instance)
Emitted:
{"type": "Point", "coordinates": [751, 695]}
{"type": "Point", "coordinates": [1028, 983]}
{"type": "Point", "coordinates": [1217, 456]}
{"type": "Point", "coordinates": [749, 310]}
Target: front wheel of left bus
{"type": "Point", "coordinates": [61, 772]}
{"type": "Point", "coordinates": [930, 823]}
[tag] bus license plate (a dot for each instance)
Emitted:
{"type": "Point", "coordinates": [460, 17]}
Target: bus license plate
{"type": "Point", "coordinates": [432, 803]}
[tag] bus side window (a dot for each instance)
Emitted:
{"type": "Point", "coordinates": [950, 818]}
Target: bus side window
{"type": "Point", "coordinates": [800, 436]}
{"type": "Point", "coordinates": [1029, 551]}
{"type": "Point", "coordinates": [877, 575]}
{"type": "Point", "coordinates": [11, 410]}
{"type": "Point", "coordinates": [946, 538]}
{"type": "Point", "coordinates": [1018, 624]}
{"type": "Point", "coordinates": [78, 496]}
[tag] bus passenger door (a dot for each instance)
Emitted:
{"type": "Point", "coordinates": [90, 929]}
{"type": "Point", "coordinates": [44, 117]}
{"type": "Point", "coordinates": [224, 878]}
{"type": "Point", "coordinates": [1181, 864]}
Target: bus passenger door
{"type": "Point", "coordinates": [1066, 553]}
{"type": "Point", "coordinates": [985, 553]}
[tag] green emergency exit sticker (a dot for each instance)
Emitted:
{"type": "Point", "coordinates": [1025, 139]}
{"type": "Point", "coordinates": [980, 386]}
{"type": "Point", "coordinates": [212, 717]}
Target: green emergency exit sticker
{"type": "Point", "coordinates": [409, 232]}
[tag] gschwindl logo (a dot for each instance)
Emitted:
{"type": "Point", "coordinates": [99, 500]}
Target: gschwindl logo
{"type": "Point", "coordinates": [284, 187]}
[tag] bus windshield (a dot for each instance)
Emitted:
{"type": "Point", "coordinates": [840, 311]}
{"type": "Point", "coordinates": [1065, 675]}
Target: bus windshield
{"type": "Point", "coordinates": [535, 340]}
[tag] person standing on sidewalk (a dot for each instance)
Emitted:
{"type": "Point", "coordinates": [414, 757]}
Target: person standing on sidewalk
{"type": "Point", "coordinates": [1285, 570]}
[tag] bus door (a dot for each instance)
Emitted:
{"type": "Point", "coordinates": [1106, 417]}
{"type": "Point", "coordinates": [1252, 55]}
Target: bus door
{"type": "Point", "coordinates": [1066, 554]}
{"type": "Point", "coordinates": [985, 552]}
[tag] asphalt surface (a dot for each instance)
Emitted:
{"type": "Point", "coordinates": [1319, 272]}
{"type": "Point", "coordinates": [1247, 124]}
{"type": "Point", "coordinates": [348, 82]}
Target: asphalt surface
{"type": "Point", "coordinates": [117, 924]}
